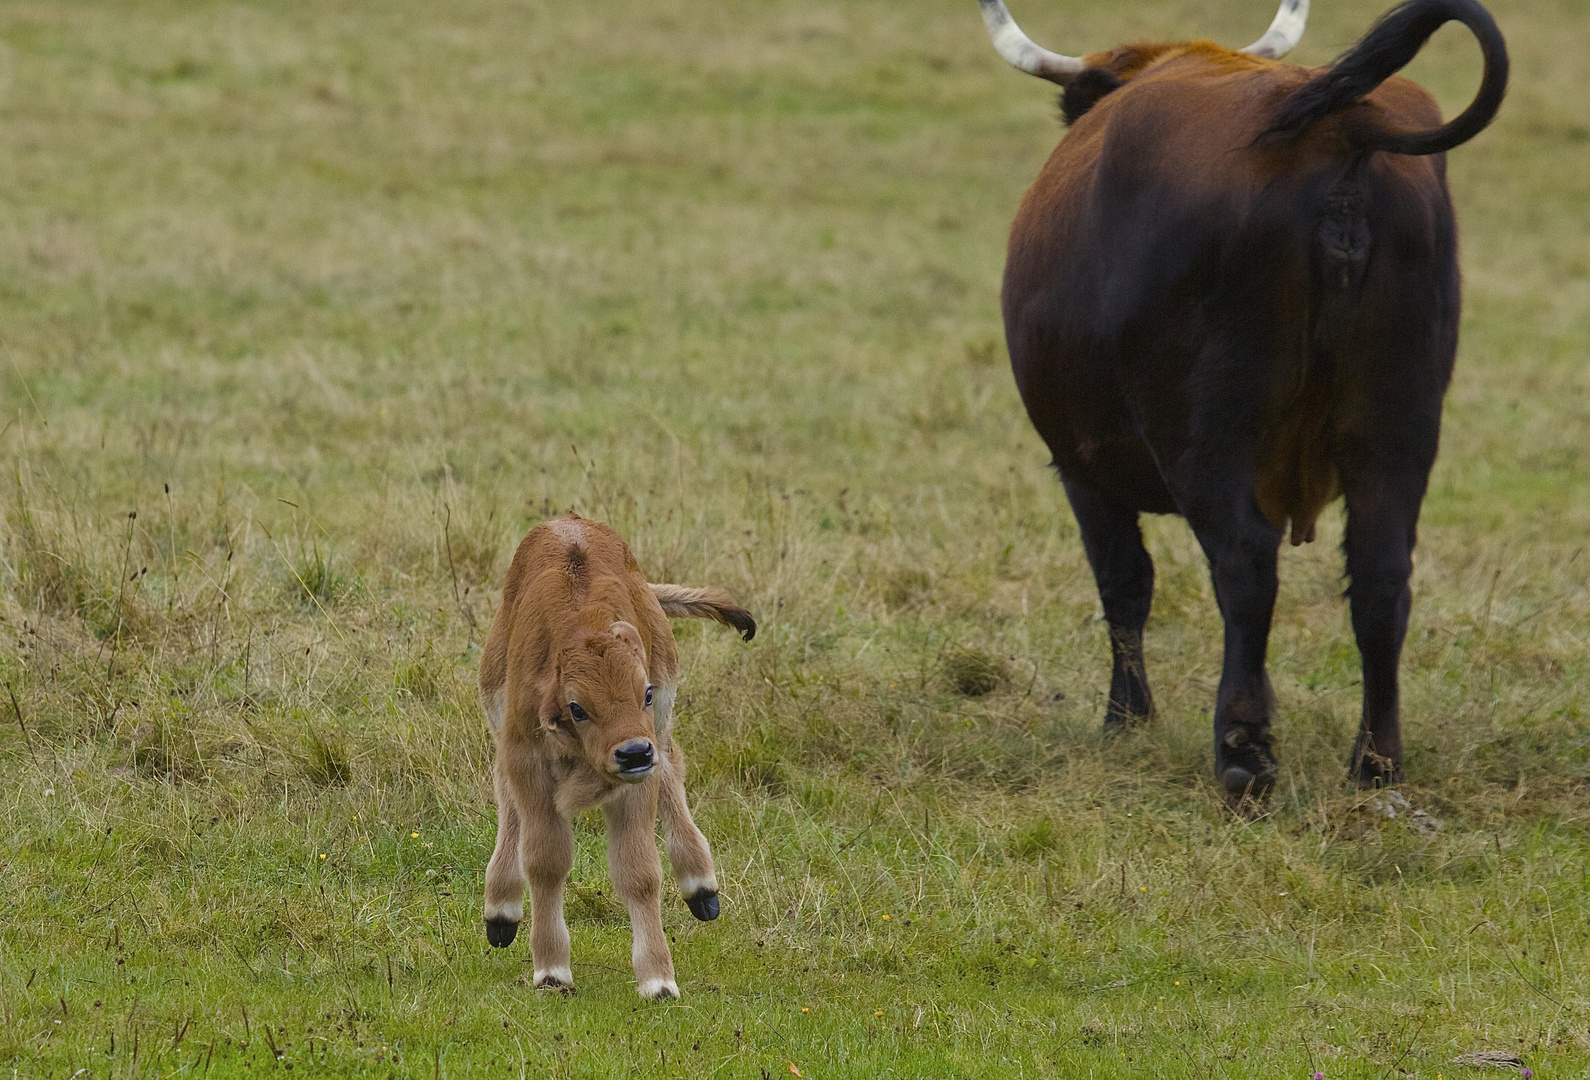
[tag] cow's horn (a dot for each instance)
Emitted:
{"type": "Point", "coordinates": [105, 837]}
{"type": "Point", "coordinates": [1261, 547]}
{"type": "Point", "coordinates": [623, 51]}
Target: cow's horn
{"type": "Point", "coordinates": [1283, 34]}
{"type": "Point", "coordinates": [1025, 54]}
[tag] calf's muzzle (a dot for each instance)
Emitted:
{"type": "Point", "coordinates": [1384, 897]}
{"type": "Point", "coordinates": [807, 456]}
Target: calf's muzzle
{"type": "Point", "coordinates": [635, 759]}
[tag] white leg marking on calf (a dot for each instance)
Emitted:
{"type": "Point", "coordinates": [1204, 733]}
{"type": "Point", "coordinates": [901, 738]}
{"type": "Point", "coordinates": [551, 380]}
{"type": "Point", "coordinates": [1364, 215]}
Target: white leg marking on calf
{"type": "Point", "coordinates": [690, 886]}
{"type": "Point", "coordinates": [513, 912]}
{"type": "Point", "coordinates": [657, 988]}
{"type": "Point", "coordinates": [641, 949]}
{"type": "Point", "coordinates": [560, 975]}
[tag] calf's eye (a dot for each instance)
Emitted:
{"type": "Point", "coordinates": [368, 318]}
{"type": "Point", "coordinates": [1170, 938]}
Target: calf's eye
{"type": "Point", "coordinates": [648, 697]}
{"type": "Point", "coordinates": [577, 712]}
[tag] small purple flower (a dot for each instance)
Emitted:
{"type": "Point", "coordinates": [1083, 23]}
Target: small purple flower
{"type": "Point", "coordinates": [1319, 1076]}
{"type": "Point", "coordinates": [1526, 1072]}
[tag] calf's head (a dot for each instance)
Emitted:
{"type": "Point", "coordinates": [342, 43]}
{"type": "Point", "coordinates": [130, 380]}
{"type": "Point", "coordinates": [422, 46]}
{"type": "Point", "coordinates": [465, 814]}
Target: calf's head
{"type": "Point", "coordinates": [601, 703]}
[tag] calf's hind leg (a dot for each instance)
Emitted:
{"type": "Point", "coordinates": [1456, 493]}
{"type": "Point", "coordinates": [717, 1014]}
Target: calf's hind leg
{"type": "Point", "coordinates": [1125, 576]}
{"type": "Point", "coordinates": [637, 878]}
{"type": "Point", "coordinates": [688, 851]}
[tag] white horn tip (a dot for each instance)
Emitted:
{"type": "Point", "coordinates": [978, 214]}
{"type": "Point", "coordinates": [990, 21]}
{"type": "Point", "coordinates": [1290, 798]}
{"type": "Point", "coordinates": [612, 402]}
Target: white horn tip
{"type": "Point", "coordinates": [1020, 50]}
{"type": "Point", "coordinates": [1285, 31]}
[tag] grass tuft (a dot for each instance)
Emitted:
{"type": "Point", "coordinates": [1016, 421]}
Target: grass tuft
{"type": "Point", "coordinates": [972, 672]}
{"type": "Point", "coordinates": [326, 761]}
{"type": "Point", "coordinates": [318, 579]}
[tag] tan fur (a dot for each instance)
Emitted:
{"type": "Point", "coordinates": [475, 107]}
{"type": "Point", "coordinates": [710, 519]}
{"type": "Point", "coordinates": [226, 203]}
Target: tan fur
{"type": "Point", "coordinates": [682, 602]}
{"type": "Point", "coordinates": [579, 623]}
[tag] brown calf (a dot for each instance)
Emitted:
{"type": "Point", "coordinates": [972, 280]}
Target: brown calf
{"type": "Point", "coordinates": [578, 682]}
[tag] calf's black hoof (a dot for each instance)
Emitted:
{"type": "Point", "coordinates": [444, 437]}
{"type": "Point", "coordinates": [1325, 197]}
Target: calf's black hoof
{"type": "Point", "coordinates": [703, 905]}
{"type": "Point", "coordinates": [501, 932]}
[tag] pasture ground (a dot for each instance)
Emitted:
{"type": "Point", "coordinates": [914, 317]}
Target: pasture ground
{"type": "Point", "coordinates": [340, 298]}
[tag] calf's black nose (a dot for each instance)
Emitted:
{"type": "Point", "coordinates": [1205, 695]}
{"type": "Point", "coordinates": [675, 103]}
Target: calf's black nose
{"type": "Point", "coordinates": [635, 754]}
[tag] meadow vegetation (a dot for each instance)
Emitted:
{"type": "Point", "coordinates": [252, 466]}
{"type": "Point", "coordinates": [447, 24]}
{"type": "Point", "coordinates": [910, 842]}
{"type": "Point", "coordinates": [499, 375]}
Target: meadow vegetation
{"type": "Point", "coordinates": [308, 312]}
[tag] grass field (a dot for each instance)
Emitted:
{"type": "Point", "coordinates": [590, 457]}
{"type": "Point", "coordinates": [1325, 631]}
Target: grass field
{"type": "Point", "coordinates": [308, 312]}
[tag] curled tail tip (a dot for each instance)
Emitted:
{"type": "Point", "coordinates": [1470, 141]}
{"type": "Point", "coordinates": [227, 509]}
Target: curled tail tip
{"type": "Point", "coordinates": [741, 620]}
{"type": "Point", "coordinates": [735, 617]}
{"type": "Point", "coordinates": [679, 601]}
{"type": "Point", "coordinates": [1395, 39]}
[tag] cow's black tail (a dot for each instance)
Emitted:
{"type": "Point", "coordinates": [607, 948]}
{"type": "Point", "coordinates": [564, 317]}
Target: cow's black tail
{"type": "Point", "coordinates": [1390, 44]}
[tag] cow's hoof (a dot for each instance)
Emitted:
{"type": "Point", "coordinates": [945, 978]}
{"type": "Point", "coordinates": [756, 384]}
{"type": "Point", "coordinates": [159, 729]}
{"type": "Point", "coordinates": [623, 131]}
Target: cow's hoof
{"type": "Point", "coordinates": [559, 983]}
{"type": "Point", "coordinates": [1241, 783]}
{"type": "Point", "coordinates": [1251, 776]}
{"type": "Point", "coordinates": [1245, 763]}
{"type": "Point", "coordinates": [1369, 769]}
{"type": "Point", "coordinates": [1119, 722]}
{"type": "Point", "coordinates": [658, 989]}
{"type": "Point", "coordinates": [703, 905]}
{"type": "Point", "coordinates": [1375, 772]}
{"type": "Point", "coordinates": [501, 932]}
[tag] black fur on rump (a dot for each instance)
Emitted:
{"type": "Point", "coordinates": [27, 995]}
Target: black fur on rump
{"type": "Point", "coordinates": [1388, 47]}
{"type": "Point", "coordinates": [1085, 91]}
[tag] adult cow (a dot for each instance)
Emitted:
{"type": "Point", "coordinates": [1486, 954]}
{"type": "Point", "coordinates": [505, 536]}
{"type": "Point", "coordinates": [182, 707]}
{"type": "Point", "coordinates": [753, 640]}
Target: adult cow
{"type": "Point", "coordinates": [1232, 294]}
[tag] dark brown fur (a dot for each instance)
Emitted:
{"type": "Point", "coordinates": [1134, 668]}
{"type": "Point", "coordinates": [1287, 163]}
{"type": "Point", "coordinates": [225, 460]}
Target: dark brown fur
{"type": "Point", "coordinates": [1223, 308]}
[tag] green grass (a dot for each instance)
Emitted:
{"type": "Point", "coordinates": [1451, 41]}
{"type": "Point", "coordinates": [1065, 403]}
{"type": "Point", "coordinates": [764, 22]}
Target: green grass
{"type": "Point", "coordinates": [339, 299]}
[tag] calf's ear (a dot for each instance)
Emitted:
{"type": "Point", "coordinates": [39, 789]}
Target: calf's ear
{"type": "Point", "coordinates": [627, 633]}
{"type": "Point", "coordinates": [1085, 91]}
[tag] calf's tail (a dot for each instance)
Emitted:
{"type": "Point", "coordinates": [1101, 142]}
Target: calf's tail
{"type": "Point", "coordinates": [1390, 44]}
{"type": "Point", "coordinates": [683, 602]}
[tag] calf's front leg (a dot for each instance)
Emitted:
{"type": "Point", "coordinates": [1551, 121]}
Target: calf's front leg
{"type": "Point", "coordinates": [637, 878]}
{"type": "Point", "coordinates": [504, 908]}
{"type": "Point", "coordinates": [535, 843]}
{"type": "Point", "coordinates": [688, 851]}
{"type": "Point", "coordinates": [548, 847]}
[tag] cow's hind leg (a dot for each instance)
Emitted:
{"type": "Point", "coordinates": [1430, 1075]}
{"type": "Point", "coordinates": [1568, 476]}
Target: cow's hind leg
{"type": "Point", "coordinates": [1241, 546]}
{"type": "Point", "coordinates": [688, 851]}
{"type": "Point", "coordinates": [637, 878]}
{"type": "Point", "coordinates": [1125, 577]}
{"type": "Point", "coordinates": [1382, 516]}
